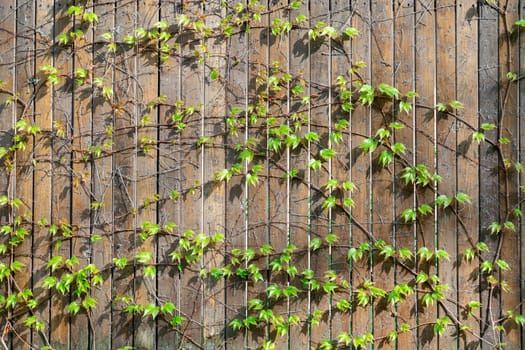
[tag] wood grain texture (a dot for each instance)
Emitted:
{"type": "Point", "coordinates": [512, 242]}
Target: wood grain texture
{"type": "Point", "coordinates": [508, 123]}
{"type": "Point", "coordinates": [489, 201]}
{"type": "Point", "coordinates": [25, 175]}
{"type": "Point", "coordinates": [125, 206]}
{"type": "Point", "coordinates": [61, 194]}
{"type": "Point", "coordinates": [192, 214]}
{"type": "Point", "coordinates": [102, 175]}
{"type": "Point", "coordinates": [169, 167]}
{"type": "Point", "coordinates": [361, 170]}
{"type": "Point", "coordinates": [109, 164]}
{"type": "Point", "coordinates": [446, 162]}
{"type": "Point", "coordinates": [404, 80]}
{"type": "Point", "coordinates": [467, 161]}
{"type": "Point", "coordinates": [213, 191]}
{"type": "Point", "coordinates": [383, 211]}
{"type": "Point", "coordinates": [236, 80]}
{"type": "Point", "coordinates": [425, 124]}
{"type": "Point", "coordinates": [299, 65]}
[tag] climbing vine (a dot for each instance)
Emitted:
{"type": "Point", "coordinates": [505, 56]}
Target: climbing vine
{"type": "Point", "coordinates": [276, 120]}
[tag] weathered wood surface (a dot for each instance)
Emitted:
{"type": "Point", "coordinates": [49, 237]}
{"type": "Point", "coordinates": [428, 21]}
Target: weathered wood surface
{"type": "Point", "coordinates": [118, 169]}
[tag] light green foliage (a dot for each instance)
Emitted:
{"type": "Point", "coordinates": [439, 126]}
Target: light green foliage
{"type": "Point", "coordinates": [259, 136]}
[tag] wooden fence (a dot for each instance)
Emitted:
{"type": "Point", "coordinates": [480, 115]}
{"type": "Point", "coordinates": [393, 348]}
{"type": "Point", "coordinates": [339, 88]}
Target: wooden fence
{"type": "Point", "coordinates": [179, 174]}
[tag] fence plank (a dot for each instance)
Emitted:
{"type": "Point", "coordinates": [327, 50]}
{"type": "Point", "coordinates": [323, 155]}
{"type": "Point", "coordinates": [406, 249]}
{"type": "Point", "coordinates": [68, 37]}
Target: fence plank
{"type": "Point", "coordinates": [7, 117]}
{"type": "Point", "coordinates": [236, 200]}
{"type": "Point", "coordinates": [467, 41]}
{"type": "Point", "coordinates": [213, 192]}
{"type": "Point", "coordinates": [425, 139]}
{"type": "Point", "coordinates": [102, 176]}
{"type": "Point", "coordinates": [361, 170]}
{"type": "Point", "coordinates": [258, 223]}
{"type": "Point", "coordinates": [404, 80]}
{"type": "Point", "coordinates": [299, 232]}
{"type": "Point", "coordinates": [26, 175]}
{"type": "Point", "coordinates": [446, 139]}
{"type": "Point", "coordinates": [61, 197]}
{"type": "Point", "coordinates": [81, 331]}
{"type": "Point", "coordinates": [320, 214]}
{"type": "Point", "coordinates": [192, 205]}
{"type": "Point", "coordinates": [278, 198]}
{"type": "Point", "coordinates": [145, 174]}
{"type": "Point", "coordinates": [169, 165]}
{"type": "Point", "coordinates": [489, 202]}
{"type": "Point", "coordinates": [381, 62]}
{"type": "Point", "coordinates": [508, 122]}
{"type": "Point", "coordinates": [122, 82]}
{"type": "Point", "coordinates": [446, 159]}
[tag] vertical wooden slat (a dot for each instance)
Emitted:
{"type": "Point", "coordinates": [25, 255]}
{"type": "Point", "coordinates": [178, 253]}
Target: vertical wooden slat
{"type": "Point", "coordinates": [81, 248]}
{"type": "Point", "coordinates": [213, 192]}
{"type": "Point", "coordinates": [299, 66]}
{"type": "Point", "coordinates": [381, 63]}
{"type": "Point", "coordinates": [124, 204]}
{"type": "Point", "coordinates": [102, 174]}
{"type": "Point", "coordinates": [404, 80]}
{"type": "Point", "coordinates": [145, 172]}
{"type": "Point", "coordinates": [7, 117]}
{"type": "Point", "coordinates": [521, 126]}
{"type": "Point", "coordinates": [257, 229]}
{"type": "Point", "coordinates": [25, 173]}
{"type": "Point", "coordinates": [361, 169]}
{"type": "Point", "coordinates": [466, 57]}
{"type": "Point", "coordinates": [191, 174]}
{"type": "Point", "coordinates": [508, 105]}
{"type": "Point", "coordinates": [61, 174]}
{"type": "Point", "coordinates": [44, 118]}
{"type": "Point", "coordinates": [7, 113]}
{"type": "Point", "coordinates": [169, 184]}
{"type": "Point", "coordinates": [340, 60]}
{"type": "Point", "coordinates": [236, 204]}
{"type": "Point", "coordinates": [321, 119]}
{"type": "Point", "coordinates": [489, 181]}
{"type": "Point", "coordinates": [277, 189]}
{"type": "Point", "coordinates": [425, 156]}
{"type": "Point", "coordinates": [445, 54]}
{"type": "Point", "coordinates": [467, 43]}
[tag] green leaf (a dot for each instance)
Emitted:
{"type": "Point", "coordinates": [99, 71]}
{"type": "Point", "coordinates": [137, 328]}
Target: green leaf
{"type": "Point", "coordinates": [327, 153]}
{"type": "Point", "coordinates": [425, 209]}
{"type": "Point", "coordinates": [315, 243]}
{"type": "Point", "coordinates": [495, 228]}
{"type": "Point", "coordinates": [469, 254]}
{"type": "Point", "coordinates": [409, 215]}
{"type": "Point", "coordinates": [73, 308]}
{"type": "Point", "coordinates": [405, 106]}
{"type": "Point", "coordinates": [255, 304]}
{"type": "Point", "coordinates": [486, 266]}
{"type": "Point", "coordinates": [503, 264]}
{"type": "Point", "coordinates": [351, 32]}
{"type": "Point", "coordinates": [385, 158]}
{"type": "Point", "coordinates": [329, 202]}
{"type": "Point", "coordinates": [443, 201]}
{"type": "Point", "coordinates": [368, 145]}
{"type": "Point", "coordinates": [388, 90]}
{"type": "Point", "coordinates": [273, 291]}
{"type": "Point", "coordinates": [478, 136]}
{"type": "Point", "coordinates": [462, 197]}
{"type": "Point", "coordinates": [54, 262]}
{"type": "Point", "coordinates": [151, 310]}
{"type": "Point", "coordinates": [144, 257]}
{"type": "Point", "coordinates": [456, 104]}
